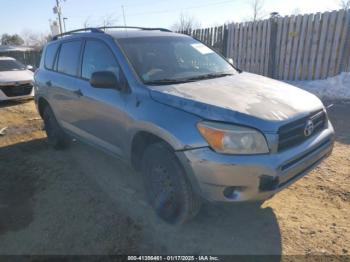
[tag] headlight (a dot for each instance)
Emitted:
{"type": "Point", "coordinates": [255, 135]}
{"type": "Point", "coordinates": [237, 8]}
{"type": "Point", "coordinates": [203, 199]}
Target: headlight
{"type": "Point", "coordinates": [232, 139]}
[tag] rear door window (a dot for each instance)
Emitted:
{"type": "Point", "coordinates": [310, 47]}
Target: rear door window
{"type": "Point", "coordinates": [68, 60]}
{"type": "Point", "coordinates": [50, 55]}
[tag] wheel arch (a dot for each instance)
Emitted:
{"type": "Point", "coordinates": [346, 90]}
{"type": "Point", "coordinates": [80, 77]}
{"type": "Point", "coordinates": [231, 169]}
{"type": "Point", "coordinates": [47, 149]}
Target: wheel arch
{"type": "Point", "coordinates": [143, 138]}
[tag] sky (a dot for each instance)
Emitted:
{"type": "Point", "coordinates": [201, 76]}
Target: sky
{"type": "Point", "coordinates": [18, 16]}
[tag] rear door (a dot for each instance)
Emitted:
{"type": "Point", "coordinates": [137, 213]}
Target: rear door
{"type": "Point", "coordinates": [102, 114]}
{"type": "Point", "coordinates": [64, 93]}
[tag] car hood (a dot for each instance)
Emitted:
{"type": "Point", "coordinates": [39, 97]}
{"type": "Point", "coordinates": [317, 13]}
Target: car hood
{"type": "Point", "coordinates": [244, 98]}
{"type": "Point", "coordinates": [16, 76]}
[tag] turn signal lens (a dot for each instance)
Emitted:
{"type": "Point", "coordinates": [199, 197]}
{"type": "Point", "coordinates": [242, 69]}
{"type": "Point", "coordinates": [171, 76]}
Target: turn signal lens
{"type": "Point", "coordinates": [214, 137]}
{"type": "Point", "coordinates": [233, 139]}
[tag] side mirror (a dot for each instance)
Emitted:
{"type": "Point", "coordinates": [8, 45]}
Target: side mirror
{"type": "Point", "coordinates": [30, 67]}
{"type": "Point", "coordinates": [104, 79]}
{"type": "Point", "coordinates": [230, 60]}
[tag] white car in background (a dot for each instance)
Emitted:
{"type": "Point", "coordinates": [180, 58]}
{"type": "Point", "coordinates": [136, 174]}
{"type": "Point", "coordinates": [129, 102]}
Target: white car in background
{"type": "Point", "coordinates": [16, 80]}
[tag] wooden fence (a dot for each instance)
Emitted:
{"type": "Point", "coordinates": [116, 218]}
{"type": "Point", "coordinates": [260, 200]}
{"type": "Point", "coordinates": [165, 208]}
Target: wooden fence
{"type": "Point", "coordinates": [303, 47]}
{"type": "Point", "coordinates": [215, 37]}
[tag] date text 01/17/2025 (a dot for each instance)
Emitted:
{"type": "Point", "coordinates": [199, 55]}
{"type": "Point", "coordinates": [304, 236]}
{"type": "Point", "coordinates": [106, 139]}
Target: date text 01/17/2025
{"type": "Point", "coordinates": [173, 258]}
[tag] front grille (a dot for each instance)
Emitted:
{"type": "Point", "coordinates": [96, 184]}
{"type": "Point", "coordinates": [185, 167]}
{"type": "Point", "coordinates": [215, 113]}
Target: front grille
{"type": "Point", "coordinates": [300, 158]}
{"type": "Point", "coordinates": [20, 90]}
{"type": "Point", "coordinates": [292, 134]}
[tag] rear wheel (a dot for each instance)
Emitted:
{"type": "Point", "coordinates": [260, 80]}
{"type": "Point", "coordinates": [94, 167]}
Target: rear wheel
{"type": "Point", "coordinates": [55, 135]}
{"type": "Point", "coordinates": [167, 186]}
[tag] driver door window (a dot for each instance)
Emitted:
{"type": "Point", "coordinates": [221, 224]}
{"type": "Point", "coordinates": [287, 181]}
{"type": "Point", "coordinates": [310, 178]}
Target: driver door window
{"type": "Point", "coordinates": [98, 57]}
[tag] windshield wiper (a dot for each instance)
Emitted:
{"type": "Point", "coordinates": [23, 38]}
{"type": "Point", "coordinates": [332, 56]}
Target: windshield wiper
{"type": "Point", "coordinates": [185, 80]}
{"type": "Point", "coordinates": [208, 76]}
{"type": "Point", "coordinates": [166, 81]}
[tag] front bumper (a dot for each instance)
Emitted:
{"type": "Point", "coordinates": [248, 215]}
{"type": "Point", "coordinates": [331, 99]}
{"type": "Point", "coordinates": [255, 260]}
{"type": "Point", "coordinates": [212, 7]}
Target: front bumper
{"type": "Point", "coordinates": [25, 94]}
{"type": "Point", "coordinates": [228, 178]}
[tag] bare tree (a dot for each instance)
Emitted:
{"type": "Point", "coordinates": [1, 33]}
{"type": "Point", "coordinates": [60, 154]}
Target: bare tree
{"type": "Point", "coordinates": [185, 23]}
{"type": "Point", "coordinates": [257, 7]}
{"type": "Point", "coordinates": [344, 4]}
{"type": "Point", "coordinates": [109, 20]}
{"type": "Point", "coordinates": [87, 22]}
{"type": "Point", "coordinates": [37, 40]}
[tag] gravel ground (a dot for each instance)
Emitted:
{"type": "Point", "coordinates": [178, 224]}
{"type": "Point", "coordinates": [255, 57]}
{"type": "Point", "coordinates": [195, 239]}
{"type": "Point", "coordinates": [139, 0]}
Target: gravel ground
{"type": "Point", "coordinates": [82, 201]}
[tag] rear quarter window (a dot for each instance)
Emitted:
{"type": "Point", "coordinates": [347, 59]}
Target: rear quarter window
{"type": "Point", "coordinates": [68, 60]}
{"type": "Point", "coordinates": [50, 54]}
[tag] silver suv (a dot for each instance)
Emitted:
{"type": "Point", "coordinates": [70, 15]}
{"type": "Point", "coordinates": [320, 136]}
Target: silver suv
{"type": "Point", "coordinates": [196, 127]}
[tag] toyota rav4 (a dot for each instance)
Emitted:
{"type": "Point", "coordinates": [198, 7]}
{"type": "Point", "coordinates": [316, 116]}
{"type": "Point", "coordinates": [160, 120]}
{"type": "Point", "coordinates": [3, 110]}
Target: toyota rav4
{"type": "Point", "coordinates": [197, 128]}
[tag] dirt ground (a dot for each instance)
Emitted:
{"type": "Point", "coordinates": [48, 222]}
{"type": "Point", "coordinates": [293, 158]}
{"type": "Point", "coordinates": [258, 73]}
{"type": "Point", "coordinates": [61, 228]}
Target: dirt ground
{"type": "Point", "coordinates": [82, 201]}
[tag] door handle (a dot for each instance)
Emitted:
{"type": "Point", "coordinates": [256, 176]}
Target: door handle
{"type": "Point", "coordinates": [78, 93]}
{"type": "Point", "coordinates": [49, 83]}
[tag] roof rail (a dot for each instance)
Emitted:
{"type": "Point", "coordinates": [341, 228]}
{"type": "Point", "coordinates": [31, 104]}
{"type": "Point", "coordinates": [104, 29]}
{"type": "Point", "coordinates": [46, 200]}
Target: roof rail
{"type": "Point", "coordinates": [134, 27]}
{"type": "Point", "coordinates": [90, 29]}
{"type": "Point", "coordinates": [103, 28]}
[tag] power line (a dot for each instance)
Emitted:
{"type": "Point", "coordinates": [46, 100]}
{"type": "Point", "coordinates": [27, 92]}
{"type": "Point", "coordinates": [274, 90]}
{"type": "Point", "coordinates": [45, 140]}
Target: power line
{"type": "Point", "coordinates": [173, 10]}
{"type": "Point", "coordinates": [176, 9]}
{"type": "Point", "coordinates": [182, 9]}
{"type": "Point", "coordinates": [138, 4]}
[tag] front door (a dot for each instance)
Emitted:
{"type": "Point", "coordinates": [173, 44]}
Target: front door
{"type": "Point", "coordinates": [102, 114]}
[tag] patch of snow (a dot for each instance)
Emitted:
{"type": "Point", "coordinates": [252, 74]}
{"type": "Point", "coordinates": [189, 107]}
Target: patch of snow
{"type": "Point", "coordinates": [337, 87]}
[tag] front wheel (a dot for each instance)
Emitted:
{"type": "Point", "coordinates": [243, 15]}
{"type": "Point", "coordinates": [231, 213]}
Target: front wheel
{"type": "Point", "coordinates": [167, 186]}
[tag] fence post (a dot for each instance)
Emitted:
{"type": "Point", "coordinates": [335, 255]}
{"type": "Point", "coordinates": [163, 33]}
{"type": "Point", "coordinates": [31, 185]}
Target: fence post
{"type": "Point", "coordinates": [345, 59]}
{"type": "Point", "coordinates": [225, 41]}
{"type": "Point", "coordinates": [271, 71]}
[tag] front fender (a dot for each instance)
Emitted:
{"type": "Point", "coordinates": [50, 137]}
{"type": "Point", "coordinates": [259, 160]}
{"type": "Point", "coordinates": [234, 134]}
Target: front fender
{"type": "Point", "coordinates": [176, 127]}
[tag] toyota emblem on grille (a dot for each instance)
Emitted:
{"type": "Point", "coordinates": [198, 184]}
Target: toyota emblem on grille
{"type": "Point", "coordinates": [309, 128]}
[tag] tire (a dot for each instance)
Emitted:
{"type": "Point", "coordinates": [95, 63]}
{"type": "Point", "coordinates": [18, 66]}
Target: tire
{"type": "Point", "coordinates": [55, 135]}
{"type": "Point", "coordinates": [167, 187]}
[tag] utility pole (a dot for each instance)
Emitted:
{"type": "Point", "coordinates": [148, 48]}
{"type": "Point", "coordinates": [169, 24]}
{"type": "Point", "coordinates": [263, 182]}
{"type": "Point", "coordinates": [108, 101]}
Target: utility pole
{"type": "Point", "coordinates": [124, 15]}
{"type": "Point", "coordinates": [64, 23]}
{"type": "Point", "coordinates": [59, 14]}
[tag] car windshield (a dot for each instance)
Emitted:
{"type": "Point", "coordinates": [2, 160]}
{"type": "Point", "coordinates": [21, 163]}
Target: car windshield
{"type": "Point", "coordinates": [11, 65]}
{"type": "Point", "coordinates": [168, 60]}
